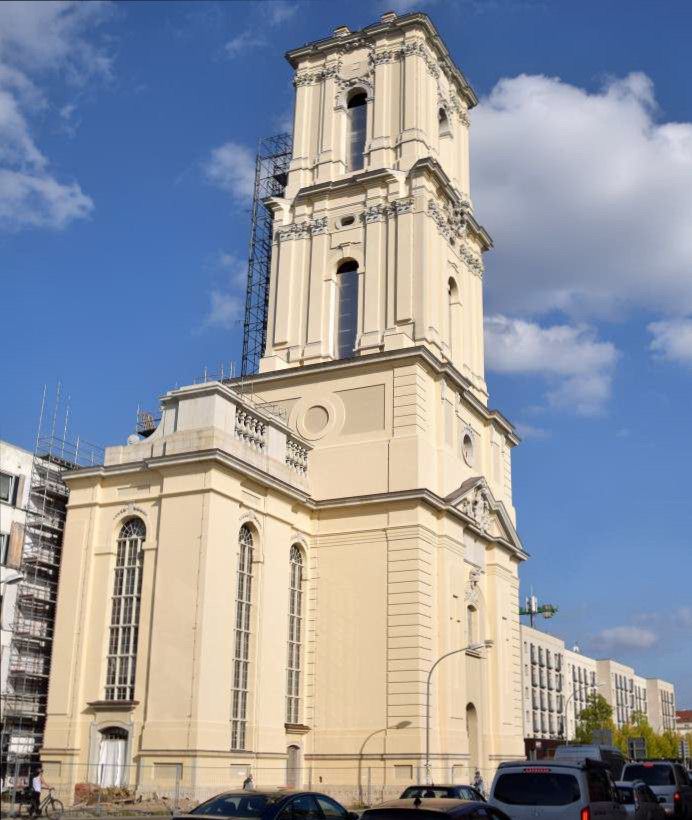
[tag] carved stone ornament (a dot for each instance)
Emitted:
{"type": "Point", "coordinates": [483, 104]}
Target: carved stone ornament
{"type": "Point", "coordinates": [302, 230]}
{"type": "Point", "coordinates": [477, 506]}
{"type": "Point", "coordinates": [312, 77]}
{"type": "Point", "coordinates": [384, 210]}
{"type": "Point", "coordinates": [473, 590]}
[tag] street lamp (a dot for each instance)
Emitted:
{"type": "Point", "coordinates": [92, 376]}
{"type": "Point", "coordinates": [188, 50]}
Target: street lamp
{"type": "Point", "coordinates": [402, 724]}
{"type": "Point", "coordinates": [565, 729]}
{"type": "Point", "coordinates": [472, 647]}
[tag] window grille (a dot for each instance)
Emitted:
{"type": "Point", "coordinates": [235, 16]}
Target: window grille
{"type": "Point", "coordinates": [121, 662]}
{"type": "Point", "coordinates": [241, 658]}
{"type": "Point", "coordinates": [357, 118]}
{"type": "Point", "coordinates": [295, 619]}
{"type": "Point", "coordinates": [347, 309]}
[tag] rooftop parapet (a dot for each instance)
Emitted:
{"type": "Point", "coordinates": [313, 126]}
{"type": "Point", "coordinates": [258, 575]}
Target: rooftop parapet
{"type": "Point", "coordinates": [213, 416]}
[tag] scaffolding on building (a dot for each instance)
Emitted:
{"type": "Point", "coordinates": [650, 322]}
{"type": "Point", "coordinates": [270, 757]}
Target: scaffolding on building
{"type": "Point", "coordinates": [271, 175]}
{"type": "Point", "coordinates": [26, 699]}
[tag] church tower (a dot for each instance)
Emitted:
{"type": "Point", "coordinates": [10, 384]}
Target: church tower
{"type": "Point", "coordinates": [301, 546]}
{"type": "Point", "coordinates": [377, 247]}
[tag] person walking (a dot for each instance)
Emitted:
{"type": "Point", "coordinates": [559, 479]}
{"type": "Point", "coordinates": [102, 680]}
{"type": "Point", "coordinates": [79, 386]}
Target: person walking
{"type": "Point", "coordinates": [248, 784]}
{"type": "Point", "coordinates": [478, 783]}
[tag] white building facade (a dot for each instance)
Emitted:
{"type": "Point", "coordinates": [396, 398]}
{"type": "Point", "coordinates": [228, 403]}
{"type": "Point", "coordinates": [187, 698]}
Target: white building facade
{"type": "Point", "coordinates": [557, 683]}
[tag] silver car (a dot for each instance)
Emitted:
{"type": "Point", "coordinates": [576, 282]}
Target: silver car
{"type": "Point", "coordinates": [668, 780]}
{"type": "Point", "coordinates": [639, 801]}
{"type": "Point", "coordinates": [569, 790]}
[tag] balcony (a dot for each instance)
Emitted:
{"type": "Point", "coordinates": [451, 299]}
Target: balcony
{"type": "Point", "coordinates": [214, 419]}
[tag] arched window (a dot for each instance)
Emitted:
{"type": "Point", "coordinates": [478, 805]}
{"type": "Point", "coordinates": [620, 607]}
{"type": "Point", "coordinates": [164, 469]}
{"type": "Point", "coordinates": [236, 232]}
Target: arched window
{"type": "Point", "coordinates": [295, 631]}
{"type": "Point", "coordinates": [347, 309]}
{"type": "Point", "coordinates": [443, 127]}
{"type": "Point", "coordinates": [241, 656]}
{"type": "Point", "coordinates": [357, 117]}
{"type": "Point", "coordinates": [453, 317]}
{"type": "Point", "coordinates": [121, 662]}
{"type": "Point", "coordinates": [471, 625]}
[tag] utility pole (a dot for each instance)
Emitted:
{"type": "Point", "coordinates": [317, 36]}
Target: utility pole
{"type": "Point", "coordinates": [533, 608]}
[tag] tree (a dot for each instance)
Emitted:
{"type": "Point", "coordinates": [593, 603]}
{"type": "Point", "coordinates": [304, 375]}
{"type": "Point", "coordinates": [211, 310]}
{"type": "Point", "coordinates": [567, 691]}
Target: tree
{"type": "Point", "coordinates": [663, 745]}
{"type": "Point", "coordinates": [597, 714]}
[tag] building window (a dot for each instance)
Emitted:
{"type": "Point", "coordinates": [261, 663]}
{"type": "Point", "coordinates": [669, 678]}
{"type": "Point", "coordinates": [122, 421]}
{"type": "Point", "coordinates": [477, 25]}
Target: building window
{"type": "Point", "coordinates": [347, 309]}
{"type": "Point", "coordinates": [8, 485]}
{"type": "Point", "coordinates": [472, 624]}
{"type": "Point", "coordinates": [357, 117]}
{"type": "Point", "coordinates": [241, 658]}
{"type": "Point", "coordinates": [127, 592]}
{"type": "Point", "coordinates": [443, 127]}
{"type": "Point", "coordinates": [295, 626]}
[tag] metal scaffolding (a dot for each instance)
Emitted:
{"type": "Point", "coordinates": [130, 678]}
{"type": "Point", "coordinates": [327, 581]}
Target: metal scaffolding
{"type": "Point", "coordinates": [25, 701]}
{"type": "Point", "coordinates": [271, 175]}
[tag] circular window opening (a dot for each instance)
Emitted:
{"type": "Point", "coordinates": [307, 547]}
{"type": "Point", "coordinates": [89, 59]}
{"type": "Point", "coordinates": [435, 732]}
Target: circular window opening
{"type": "Point", "coordinates": [467, 449]}
{"type": "Point", "coordinates": [316, 419]}
{"type": "Point", "coordinates": [347, 220]}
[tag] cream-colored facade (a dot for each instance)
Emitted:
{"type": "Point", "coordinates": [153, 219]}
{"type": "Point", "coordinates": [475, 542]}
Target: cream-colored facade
{"type": "Point", "coordinates": [302, 546]}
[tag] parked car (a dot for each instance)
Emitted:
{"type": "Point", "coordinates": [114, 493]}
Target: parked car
{"type": "Point", "coordinates": [458, 792]}
{"type": "Point", "coordinates": [273, 804]}
{"type": "Point", "coordinates": [434, 808]}
{"type": "Point", "coordinates": [610, 755]}
{"type": "Point", "coordinates": [668, 781]}
{"type": "Point", "coordinates": [639, 801]}
{"type": "Point", "coordinates": [565, 790]}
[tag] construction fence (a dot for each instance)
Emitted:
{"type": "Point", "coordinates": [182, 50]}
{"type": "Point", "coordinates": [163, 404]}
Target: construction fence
{"type": "Point", "coordinates": [166, 786]}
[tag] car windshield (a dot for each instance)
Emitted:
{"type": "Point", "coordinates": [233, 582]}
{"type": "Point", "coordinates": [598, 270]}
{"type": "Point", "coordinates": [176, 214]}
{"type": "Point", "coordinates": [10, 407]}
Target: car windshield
{"type": "Point", "coordinates": [626, 795]}
{"type": "Point", "coordinates": [429, 791]}
{"type": "Point", "coordinates": [653, 774]}
{"type": "Point", "coordinates": [537, 789]}
{"type": "Point", "coordinates": [235, 805]}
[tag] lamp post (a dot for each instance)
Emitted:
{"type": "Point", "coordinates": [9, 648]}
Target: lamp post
{"type": "Point", "coordinates": [565, 730]}
{"type": "Point", "coordinates": [473, 647]}
{"type": "Point", "coordinates": [402, 724]}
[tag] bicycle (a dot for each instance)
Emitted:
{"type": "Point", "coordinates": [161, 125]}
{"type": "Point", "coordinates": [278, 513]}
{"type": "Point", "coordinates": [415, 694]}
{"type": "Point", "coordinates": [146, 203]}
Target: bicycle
{"type": "Point", "coordinates": [49, 807]}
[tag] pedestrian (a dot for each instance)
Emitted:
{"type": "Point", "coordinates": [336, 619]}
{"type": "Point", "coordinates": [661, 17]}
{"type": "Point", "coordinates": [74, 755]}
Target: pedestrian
{"type": "Point", "coordinates": [248, 784]}
{"type": "Point", "coordinates": [37, 786]}
{"type": "Point", "coordinates": [478, 784]}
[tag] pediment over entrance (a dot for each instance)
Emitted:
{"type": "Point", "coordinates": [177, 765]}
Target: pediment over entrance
{"type": "Point", "coordinates": [475, 500]}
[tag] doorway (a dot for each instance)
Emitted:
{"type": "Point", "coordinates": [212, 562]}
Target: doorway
{"type": "Point", "coordinates": [472, 738]}
{"type": "Point", "coordinates": [293, 767]}
{"type": "Point", "coordinates": [112, 757]}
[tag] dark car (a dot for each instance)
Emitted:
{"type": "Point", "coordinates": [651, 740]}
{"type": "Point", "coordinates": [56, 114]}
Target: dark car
{"type": "Point", "coordinates": [668, 780]}
{"type": "Point", "coordinates": [433, 808]}
{"type": "Point", "coordinates": [458, 792]}
{"type": "Point", "coordinates": [273, 804]}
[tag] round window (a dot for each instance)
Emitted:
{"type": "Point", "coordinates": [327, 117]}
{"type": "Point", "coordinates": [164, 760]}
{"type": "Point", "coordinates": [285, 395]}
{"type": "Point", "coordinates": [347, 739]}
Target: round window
{"type": "Point", "coordinates": [467, 448]}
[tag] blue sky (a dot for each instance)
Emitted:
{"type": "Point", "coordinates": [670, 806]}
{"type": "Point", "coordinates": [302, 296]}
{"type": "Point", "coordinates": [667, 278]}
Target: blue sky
{"type": "Point", "coordinates": [125, 158]}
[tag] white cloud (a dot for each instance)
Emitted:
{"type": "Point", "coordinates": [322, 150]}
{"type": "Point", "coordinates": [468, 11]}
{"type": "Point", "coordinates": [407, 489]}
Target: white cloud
{"type": "Point", "coordinates": [530, 431]}
{"type": "Point", "coordinates": [683, 617]}
{"type": "Point", "coordinates": [672, 339]}
{"type": "Point", "coordinates": [278, 11]}
{"type": "Point", "coordinates": [588, 197]}
{"type": "Point", "coordinates": [577, 367]}
{"type": "Point", "coordinates": [623, 638]}
{"type": "Point", "coordinates": [36, 38]}
{"type": "Point", "coordinates": [245, 41]}
{"type": "Point", "coordinates": [231, 167]}
{"type": "Point", "coordinates": [273, 13]}
{"type": "Point", "coordinates": [225, 310]}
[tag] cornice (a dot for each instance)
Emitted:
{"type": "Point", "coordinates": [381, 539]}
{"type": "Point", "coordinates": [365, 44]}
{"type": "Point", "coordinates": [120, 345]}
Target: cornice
{"type": "Point", "coordinates": [439, 367]}
{"type": "Point", "coordinates": [364, 38]}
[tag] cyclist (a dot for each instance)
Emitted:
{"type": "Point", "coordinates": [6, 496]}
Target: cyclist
{"type": "Point", "coordinates": [37, 786]}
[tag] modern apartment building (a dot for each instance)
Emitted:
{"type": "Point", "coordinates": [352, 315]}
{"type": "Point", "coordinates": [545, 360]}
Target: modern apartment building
{"type": "Point", "coordinates": [558, 681]}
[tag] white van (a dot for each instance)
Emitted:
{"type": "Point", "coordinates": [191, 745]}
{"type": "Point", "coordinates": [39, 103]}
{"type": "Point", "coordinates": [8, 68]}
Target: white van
{"type": "Point", "coordinates": [569, 790]}
{"type": "Point", "coordinates": [610, 755]}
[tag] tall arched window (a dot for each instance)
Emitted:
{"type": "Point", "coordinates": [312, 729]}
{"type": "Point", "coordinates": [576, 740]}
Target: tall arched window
{"type": "Point", "coordinates": [241, 655]}
{"type": "Point", "coordinates": [347, 309]}
{"type": "Point", "coordinates": [357, 117]}
{"type": "Point", "coordinates": [295, 630]}
{"type": "Point", "coordinates": [121, 663]}
{"type": "Point", "coordinates": [443, 127]}
{"type": "Point", "coordinates": [453, 310]}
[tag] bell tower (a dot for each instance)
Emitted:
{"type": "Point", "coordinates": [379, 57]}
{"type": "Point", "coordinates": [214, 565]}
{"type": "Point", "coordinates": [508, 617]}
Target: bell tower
{"type": "Point", "coordinates": [375, 245]}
